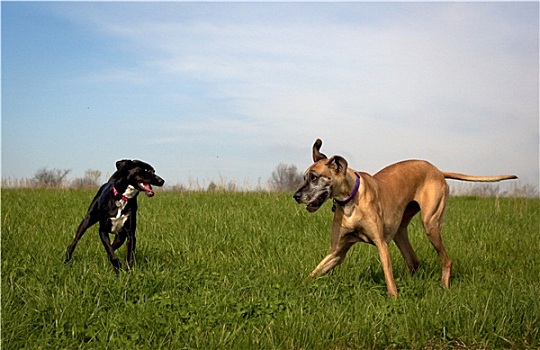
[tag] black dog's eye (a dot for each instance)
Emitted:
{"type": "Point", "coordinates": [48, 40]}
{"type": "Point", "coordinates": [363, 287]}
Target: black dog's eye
{"type": "Point", "coordinates": [312, 177]}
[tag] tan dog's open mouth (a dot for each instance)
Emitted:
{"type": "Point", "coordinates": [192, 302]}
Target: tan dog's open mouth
{"type": "Point", "coordinates": [315, 204]}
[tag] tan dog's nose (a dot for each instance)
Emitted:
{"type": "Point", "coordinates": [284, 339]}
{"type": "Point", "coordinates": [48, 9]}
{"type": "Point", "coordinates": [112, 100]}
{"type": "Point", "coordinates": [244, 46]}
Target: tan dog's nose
{"type": "Point", "coordinates": [297, 197]}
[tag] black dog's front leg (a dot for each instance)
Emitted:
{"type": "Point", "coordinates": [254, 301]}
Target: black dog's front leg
{"type": "Point", "coordinates": [131, 240]}
{"type": "Point", "coordinates": [119, 240]}
{"type": "Point", "coordinates": [104, 235]}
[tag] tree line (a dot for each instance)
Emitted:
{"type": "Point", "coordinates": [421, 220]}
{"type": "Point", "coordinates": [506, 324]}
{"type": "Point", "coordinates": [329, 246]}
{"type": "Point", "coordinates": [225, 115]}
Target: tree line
{"type": "Point", "coordinates": [284, 178]}
{"type": "Point", "coordinates": [57, 178]}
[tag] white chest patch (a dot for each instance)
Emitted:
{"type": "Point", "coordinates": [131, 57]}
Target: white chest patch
{"type": "Point", "coordinates": [118, 223]}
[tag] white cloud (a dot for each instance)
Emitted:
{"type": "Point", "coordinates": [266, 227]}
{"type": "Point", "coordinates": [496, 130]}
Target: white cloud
{"type": "Point", "coordinates": [448, 82]}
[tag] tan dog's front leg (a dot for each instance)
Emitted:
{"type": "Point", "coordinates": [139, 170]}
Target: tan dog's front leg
{"type": "Point", "coordinates": [328, 263]}
{"type": "Point", "coordinates": [340, 246]}
{"type": "Point", "coordinates": [384, 255]}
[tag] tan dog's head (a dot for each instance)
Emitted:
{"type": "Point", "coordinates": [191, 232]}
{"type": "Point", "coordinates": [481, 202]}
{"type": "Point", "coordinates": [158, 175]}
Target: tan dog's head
{"type": "Point", "coordinates": [321, 179]}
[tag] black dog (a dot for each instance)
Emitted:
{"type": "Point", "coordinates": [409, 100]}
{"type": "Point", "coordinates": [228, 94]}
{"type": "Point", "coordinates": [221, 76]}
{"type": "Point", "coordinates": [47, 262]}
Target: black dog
{"type": "Point", "coordinates": [115, 208]}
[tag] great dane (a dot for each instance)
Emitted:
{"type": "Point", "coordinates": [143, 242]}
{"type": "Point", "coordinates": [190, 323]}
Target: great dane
{"type": "Point", "coordinates": [377, 209]}
{"type": "Point", "coordinates": [115, 208]}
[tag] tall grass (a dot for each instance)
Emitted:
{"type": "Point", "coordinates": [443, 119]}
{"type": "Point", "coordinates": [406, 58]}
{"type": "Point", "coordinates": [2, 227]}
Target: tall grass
{"type": "Point", "coordinates": [227, 270]}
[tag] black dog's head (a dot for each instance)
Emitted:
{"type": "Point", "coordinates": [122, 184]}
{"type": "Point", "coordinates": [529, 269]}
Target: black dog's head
{"type": "Point", "coordinates": [138, 174]}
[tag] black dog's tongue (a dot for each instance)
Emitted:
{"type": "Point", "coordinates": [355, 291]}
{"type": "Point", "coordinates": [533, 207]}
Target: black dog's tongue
{"type": "Point", "coordinates": [147, 188]}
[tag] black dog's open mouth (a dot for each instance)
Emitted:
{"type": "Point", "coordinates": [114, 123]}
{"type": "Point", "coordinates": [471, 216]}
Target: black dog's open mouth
{"type": "Point", "coordinates": [147, 188]}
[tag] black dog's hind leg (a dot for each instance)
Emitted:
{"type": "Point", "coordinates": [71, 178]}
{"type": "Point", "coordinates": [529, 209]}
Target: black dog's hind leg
{"type": "Point", "coordinates": [90, 219]}
{"type": "Point", "coordinates": [109, 249]}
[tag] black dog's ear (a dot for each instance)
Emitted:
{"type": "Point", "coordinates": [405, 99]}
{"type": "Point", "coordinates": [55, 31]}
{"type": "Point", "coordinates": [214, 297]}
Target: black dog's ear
{"type": "Point", "coordinates": [122, 163]}
{"type": "Point", "coordinates": [338, 163]}
{"type": "Point", "coordinates": [316, 154]}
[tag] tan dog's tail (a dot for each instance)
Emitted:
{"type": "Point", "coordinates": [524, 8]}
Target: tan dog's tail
{"type": "Point", "coordinates": [464, 177]}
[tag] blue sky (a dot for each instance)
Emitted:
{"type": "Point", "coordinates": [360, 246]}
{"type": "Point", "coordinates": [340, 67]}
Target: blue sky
{"type": "Point", "coordinates": [210, 91]}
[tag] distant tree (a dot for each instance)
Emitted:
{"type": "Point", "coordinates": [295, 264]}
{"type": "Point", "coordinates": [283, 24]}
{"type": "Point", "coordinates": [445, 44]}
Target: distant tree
{"type": "Point", "coordinates": [180, 187]}
{"type": "Point", "coordinates": [53, 178]}
{"type": "Point", "coordinates": [212, 187]}
{"type": "Point", "coordinates": [222, 186]}
{"type": "Point", "coordinates": [285, 178]}
{"type": "Point", "coordinates": [90, 179]}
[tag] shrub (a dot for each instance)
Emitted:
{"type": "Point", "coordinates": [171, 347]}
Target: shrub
{"type": "Point", "coordinates": [285, 178]}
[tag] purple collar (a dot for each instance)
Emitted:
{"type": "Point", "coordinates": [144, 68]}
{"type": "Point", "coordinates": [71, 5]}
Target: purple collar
{"type": "Point", "coordinates": [352, 195]}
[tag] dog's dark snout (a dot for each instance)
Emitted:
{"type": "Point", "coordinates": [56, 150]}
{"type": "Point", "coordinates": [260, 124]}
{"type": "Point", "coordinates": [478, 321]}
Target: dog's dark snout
{"type": "Point", "coordinates": [158, 181]}
{"type": "Point", "coordinates": [297, 196]}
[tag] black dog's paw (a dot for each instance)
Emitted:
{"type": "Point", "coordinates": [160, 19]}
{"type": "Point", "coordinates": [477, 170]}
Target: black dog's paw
{"type": "Point", "coordinates": [116, 264]}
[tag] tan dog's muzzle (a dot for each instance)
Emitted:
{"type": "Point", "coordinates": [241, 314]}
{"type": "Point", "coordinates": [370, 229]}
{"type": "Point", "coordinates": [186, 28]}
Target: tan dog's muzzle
{"type": "Point", "coordinates": [313, 202]}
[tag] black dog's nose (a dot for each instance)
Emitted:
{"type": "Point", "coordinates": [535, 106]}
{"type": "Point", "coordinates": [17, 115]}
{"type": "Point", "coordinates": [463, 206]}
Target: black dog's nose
{"type": "Point", "coordinates": [297, 196]}
{"type": "Point", "coordinates": [158, 181]}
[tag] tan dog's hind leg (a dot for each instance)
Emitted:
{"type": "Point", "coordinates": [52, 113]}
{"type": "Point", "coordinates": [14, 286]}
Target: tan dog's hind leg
{"type": "Point", "coordinates": [404, 245]}
{"type": "Point", "coordinates": [434, 234]}
{"type": "Point", "coordinates": [402, 238]}
{"type": "Point", "coordinates": [432, 219]}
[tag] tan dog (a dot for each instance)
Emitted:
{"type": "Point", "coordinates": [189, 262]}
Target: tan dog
{"type": "Point", "coordinates": [377, 209]}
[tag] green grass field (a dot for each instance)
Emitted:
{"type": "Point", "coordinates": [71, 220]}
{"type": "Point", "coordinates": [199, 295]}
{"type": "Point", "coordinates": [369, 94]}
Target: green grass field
{"type": "Point", "coordinates": [227, 270]}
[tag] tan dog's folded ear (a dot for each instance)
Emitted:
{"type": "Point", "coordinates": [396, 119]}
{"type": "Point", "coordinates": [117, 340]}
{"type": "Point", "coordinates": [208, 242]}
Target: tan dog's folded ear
{"type": "Point", "coordinates": [316, 154]}
{"type": "Point", "coordinates": [338, 163]}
